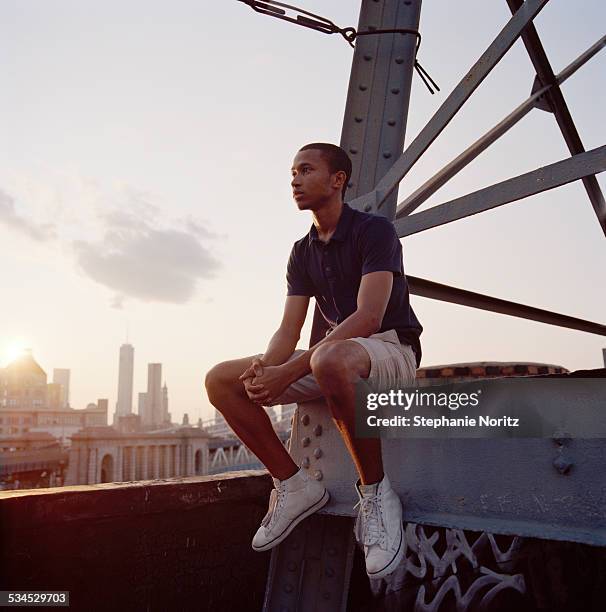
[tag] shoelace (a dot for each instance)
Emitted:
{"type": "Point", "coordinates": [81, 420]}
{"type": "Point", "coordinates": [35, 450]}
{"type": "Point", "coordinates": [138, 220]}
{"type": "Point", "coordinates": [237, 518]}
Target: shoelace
{"type": "Point", "coordinates": [369, 528]}
{"type": "Point", "coordinates": [276, 501]}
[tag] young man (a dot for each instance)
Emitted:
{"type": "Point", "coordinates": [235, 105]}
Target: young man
{"type": "Point", "coordinates": [351, 262]}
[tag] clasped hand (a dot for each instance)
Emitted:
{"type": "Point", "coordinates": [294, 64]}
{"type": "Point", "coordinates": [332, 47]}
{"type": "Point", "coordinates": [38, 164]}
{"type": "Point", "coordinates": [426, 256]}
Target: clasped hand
{"type": "Point", "coordinates": [263, 384]}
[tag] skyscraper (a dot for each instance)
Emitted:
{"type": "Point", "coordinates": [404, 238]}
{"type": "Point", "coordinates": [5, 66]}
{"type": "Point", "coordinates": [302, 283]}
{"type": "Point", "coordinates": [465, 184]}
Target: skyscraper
{"type": "Point", "coordinates": [153, 398]}
{"type": "Point", "coordinates": [61, 377]}
{"type": "Point", "coordinates": [124, 405]}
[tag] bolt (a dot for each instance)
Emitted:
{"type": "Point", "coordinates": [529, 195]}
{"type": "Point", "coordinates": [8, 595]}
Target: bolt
{"type": "Point", "coordinates": [317, 453]}
{"type": "Point", "coordinates": [358, 119]}
{"type": "Point", "coordinates": [367, 207]}
{"type": "Point", "coordinates": [386, 154]}
{"type": "Point", "coordinates": [305, 441]}
{"type": "Point", "coordinates": [305, 463]}
{"type": "Point", "coordinates": [362, 87]}
{"type": "Point", "coordinates": [318, 430]}
{"type": "Point", "coordinates": [367, 57]}
{"type": "Point", "coordinates": [353, 150]}
{"type": "Point", "coordinates": [562, 465]}
{"type": "Point", "coordinates": [350, 184]}
{"type": "Point", "coordinates": [395, 90]}
{"type": "Point", "coordinates": [391, 122]}
{"type": "Point", "coordinates": [305, 419]}
{"type": "Point", "coordinates": [318, 475]}
{"type": "Point", "coordinates": [399, 60]}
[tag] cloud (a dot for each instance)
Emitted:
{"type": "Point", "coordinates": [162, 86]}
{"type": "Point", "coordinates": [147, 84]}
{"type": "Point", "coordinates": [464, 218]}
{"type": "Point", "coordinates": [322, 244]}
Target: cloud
{"type": "Point", "coordinates": [138, 258]}
{"type": "Point", "coordinates": [10, 218]}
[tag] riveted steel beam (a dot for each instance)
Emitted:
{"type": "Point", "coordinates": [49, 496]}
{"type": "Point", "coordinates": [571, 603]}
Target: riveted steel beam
{"type": "Point", "coordinates": [376, 110]}
{"type": "Point", "coordinates": [413, 201]}
{"type": "Point", "coordinates": [556, 101]}
{"type": "Point", "coordinates": [445, 293]}
{"type": "Point", "coordinates": [461, 93]}
{"type": "Point", "coordinates": [511, 190]}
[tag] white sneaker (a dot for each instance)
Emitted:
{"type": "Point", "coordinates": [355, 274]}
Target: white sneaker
{"type": "Point", "coordinates": [293, 500]}
{"type": "Point", "coordinates": [379, 528]}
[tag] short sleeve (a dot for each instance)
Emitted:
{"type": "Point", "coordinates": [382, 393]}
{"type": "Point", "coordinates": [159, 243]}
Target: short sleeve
{"type": "Point", "coordinates": [380, 247]}
{"type": "Point", "coordinates": [298, 281]}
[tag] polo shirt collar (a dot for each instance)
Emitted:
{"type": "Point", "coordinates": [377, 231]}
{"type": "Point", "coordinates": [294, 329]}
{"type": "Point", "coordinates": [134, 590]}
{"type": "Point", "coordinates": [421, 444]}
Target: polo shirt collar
{"type": "Point", "coordinates": [342, 229]}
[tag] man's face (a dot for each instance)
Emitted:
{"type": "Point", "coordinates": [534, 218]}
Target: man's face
{"type": "Point", "coordinates": [312, 182]}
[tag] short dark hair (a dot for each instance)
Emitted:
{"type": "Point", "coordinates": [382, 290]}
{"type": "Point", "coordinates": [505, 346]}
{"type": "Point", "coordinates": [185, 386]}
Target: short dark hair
{"type": "Point", "coordinates": [337, 159]}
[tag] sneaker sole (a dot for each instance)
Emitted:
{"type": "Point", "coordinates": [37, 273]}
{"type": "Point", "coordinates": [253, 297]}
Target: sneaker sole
{"type": "Point", "coordinates": [294, 523]}
{"type": "Point", "coordinates": [391, 566]}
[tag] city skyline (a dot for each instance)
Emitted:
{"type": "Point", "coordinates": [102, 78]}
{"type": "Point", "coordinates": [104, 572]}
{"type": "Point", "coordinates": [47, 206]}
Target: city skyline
{"type": "Point", "coordinates": [147, 185]}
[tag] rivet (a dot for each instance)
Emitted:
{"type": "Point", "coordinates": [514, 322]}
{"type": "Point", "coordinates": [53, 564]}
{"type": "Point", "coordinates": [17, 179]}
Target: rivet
{"type": "Point", "coordinates": [332, 552]}
{"type": "Point", "coordinates": [367, 57]}
{"type": "Point", "coordinates": [562, 465]}
{"type": "Point", "coordinates": [362, 87]}
{"type": "Point", "coordinates": [350, 184]}
{"type": "Point", "coordinates": [326, 595]}
{"type": "Point", "coordinates": [305, 419]}
{"type": "Point", "coordinates": [329, 572]}
{"type": "Point", "coordinates": [318, 475]}
{"type": "Point", "coordinates": [305, 462]}
{"type": "Point", "coordinates": [317, 453]}
{"type": "Point", "coordinates": [292, 566]}
{"type": "Point", "coordinates": [358, 119]}
{"type": "Point", "coordinates": [399, 60]}
{"type": "Point", "coordinates": [386, 154]}
{"type": "Point", "coordinates": [305, 441]}
{"type": "Point", "coordinates": [367, 207]}
{"type": "Point", "coordinates": [353, 150]}
{"type": "Point", "coordinates": [391, 122]}
{"type": "Point", "coordinates": [395, 90]}
{"type": "Point", "coordinates": [407, 2]}
{"type": "Point", "coordinates": [318, 430]}
{"type": "Point", "coordinates": [288, 588]}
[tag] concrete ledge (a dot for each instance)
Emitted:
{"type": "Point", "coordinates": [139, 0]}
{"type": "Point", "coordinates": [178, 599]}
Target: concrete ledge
{"type": "Point", "coordinates": [175, 544]}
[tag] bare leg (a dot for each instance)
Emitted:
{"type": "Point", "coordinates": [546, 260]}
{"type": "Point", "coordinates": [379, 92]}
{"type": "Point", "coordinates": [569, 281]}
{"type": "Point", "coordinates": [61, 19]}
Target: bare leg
{"type": "Point", "coordinates": [248, 420]}
{"type": "Point", "coordinates": [337, 367]}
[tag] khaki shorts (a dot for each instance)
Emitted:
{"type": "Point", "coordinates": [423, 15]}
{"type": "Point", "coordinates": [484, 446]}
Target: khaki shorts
{"type": "Point", "coordinates": [392, 365]}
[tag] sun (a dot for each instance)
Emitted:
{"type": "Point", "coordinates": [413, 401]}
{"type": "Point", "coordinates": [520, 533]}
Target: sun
{"type": "Point", "coordinates": [13, 351]}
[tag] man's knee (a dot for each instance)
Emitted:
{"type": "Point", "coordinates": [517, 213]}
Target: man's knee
{"type": "Point", "coordinates": [331, 362]}
{"type": "Point", "coordinates": [219, 382]}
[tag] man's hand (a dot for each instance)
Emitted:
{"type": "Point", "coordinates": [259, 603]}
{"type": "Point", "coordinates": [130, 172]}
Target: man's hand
{"type": "Point", "coordinates": [271, 384]}
{"type": "Point", "coordinates": [254, 391]}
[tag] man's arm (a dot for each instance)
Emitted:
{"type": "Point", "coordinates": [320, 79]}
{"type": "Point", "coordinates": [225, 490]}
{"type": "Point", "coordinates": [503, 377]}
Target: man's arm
{"type": "Point", "coordinates": [284, 341]}
{"type": "Point", "coordinates": [373, 296]}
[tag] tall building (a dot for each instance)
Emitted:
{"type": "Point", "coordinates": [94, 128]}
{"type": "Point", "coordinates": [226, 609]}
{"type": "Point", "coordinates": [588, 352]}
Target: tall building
{"type": "Point", "coordinates": [153, 401]}
{"type": "Point", "coordinates": [165, 413]}
{"type": "Point", "coordinates": [141, 405]}
{"type": "Point", "coordinates": [124, 405]}
{"type": "Point", "coordinates": [61, 377]}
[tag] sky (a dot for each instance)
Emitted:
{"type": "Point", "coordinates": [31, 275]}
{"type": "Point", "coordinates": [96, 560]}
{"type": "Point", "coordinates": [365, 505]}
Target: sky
{"type": "Point", "coordinates": [145, 190]}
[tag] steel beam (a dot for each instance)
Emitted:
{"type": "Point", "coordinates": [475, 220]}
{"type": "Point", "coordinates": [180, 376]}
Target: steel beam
{"type": "Point", "coordinates": [445, 293]}
{"type": "Point", "coordinates": [461, 93]}
{"type": "Point", "coordinates": [428, 188]}
{"type": "Point", "coordinates": [541, 64]}
{"type": "Point", "coordinates": [511, 190]}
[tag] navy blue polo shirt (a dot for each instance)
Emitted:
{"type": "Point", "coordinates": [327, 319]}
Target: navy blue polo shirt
{"type": "Point", "coordinates": [331, 272]}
